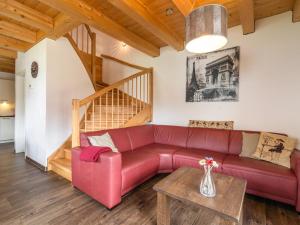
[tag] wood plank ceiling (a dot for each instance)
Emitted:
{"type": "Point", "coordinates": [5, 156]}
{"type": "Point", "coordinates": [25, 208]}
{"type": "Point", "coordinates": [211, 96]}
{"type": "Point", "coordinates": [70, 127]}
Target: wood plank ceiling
{"type": "Point", "coordinates": [146, 25]}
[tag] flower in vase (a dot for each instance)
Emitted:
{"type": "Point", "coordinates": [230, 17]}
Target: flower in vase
{"type": "Point", "coordinates": [208, 161]}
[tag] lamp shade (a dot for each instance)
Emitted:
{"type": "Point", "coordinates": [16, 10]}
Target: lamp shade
{"type": "Point", "coordinates": [206, 29]}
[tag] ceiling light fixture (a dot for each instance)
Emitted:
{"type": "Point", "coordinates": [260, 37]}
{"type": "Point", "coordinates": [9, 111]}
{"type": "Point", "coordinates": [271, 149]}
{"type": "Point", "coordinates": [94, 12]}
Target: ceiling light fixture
{"type": "Point", "coordinates": [206, 29]}
{"type": "Point", "coordinates": [169, 11]}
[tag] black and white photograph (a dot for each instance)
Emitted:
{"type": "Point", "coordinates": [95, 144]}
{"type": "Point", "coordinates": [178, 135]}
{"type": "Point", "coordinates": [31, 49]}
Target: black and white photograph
{"type": "Point", "coordinates": [213, 77]}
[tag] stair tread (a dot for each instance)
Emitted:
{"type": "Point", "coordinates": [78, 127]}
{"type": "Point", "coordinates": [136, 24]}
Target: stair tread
{"type": "Point", "coordinates": [64, 163]}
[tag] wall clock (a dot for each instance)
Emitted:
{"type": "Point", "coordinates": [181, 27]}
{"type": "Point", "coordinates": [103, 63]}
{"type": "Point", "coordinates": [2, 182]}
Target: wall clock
{"type": "Point", "coordinates": [34, 69]}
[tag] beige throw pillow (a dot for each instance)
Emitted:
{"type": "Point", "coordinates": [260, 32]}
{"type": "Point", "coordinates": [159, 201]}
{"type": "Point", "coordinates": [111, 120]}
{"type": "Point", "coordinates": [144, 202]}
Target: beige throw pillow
{"type": "Point", "coordinates": [250, 142]}
{"type": "Point", "coordinates": [103, 141]}
{"type": "Point", "coordinates": [275, 148]}
{"type": "Point", "coordinates": [225, 125]}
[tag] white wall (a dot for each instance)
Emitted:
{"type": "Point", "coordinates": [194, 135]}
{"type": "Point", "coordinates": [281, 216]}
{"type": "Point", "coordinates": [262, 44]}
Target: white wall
{"type": "Point", "coordinates": [112, 71]}
{"type": "Point", "coordinates": [20, 113]}
{"type": "Point", "coordinates": [269, 80]}
{"type": "Point", "coordinates": [67, 79]}
{"type": "Point", "coordinates": [48, 98]}
{"type": "Point", "coordinates": [35, 99]}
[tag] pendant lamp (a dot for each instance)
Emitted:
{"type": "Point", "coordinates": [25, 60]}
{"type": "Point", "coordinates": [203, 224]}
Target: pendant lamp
{"type": "Point", "coordinates": [206, 29]}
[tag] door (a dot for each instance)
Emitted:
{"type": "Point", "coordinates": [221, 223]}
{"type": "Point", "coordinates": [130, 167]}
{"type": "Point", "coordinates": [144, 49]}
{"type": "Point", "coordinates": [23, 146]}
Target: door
{"type": "Point", "coordinates": [6, 129]}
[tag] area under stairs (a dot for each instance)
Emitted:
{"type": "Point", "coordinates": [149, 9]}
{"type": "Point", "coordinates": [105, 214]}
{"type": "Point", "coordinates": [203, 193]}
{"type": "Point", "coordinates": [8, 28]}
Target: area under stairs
{"type": "Point", "coordinates": [125, 103]}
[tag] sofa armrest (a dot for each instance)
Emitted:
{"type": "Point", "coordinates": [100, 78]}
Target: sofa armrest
{"type": "Point", "coordinates": [295, 166]}
{"type": "Point", "coordinates": [101, 180]}
{"type": "Point", "coordinates": [295, 162]}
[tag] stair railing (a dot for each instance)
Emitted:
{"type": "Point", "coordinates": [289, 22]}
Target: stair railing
{"type": "Point", "coordinates": [84, 42]}
{"type": "Point", "coordinates": [113, 106]}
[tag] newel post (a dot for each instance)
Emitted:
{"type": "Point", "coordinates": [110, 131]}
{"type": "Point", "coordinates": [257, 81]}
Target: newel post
{"type": "Point", "coordinates": [93, 53]}
{"type": "Point", "coordinates": [75, 123]}
{"type": "Point", "coordinates": [151, 92]}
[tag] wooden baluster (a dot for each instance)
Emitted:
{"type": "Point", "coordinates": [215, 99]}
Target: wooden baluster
{"type": "Point", "coordinates": [93, 114]}
{"type": "Point", "coordinates": [93, 54]}
{"type": "Point", "coordinates": [118, 103]}
{"type": "Point", "coordinates": [75, 123]}
{"type": "Point", "coordinates": [136, 95]}
{"type": "Point", "coordinates": [82, 37]}
{"type": "Point", "coordinates": [106, 110]}
{"type": "Point", "coordinates": [140, 93]}
{"type": "Point", "coordinates": [123, 100]}
{"type": "Point", "coordinates": [147, 88]}
{"type": "Point", "coordinates": [85, 117]}
{"type": "Point", "coordinates": [144, 91]}
{"type": "Point", "coordinates": [100, 109]}
{"type": "Point", "coordinates": [131, 98]}
{"type": "Point", "coordinates": [151, 92]}
{"type": "Point", "coordinates": [87, 42]}
{"type": "Point", "coordinates": [77, 37]}
{"type": "Point", "coordinates": [127, 107]}
{"type": "Point", "coordinates": [112, 104]}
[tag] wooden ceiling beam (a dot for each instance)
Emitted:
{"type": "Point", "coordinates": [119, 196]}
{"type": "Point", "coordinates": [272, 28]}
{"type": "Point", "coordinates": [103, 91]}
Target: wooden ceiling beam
{"type": "Point", "coordinates": [184, 6]}
{"type": "Point", "coordinates": [246, 11]}
{"type": "Point", "coordinates": [296, 11]}
{"type": "Point", "coordinates": [17, 32]}
{"type": "Point", "coordinates": [142, 15]}
{"type": "Point", "coordinates": [62, 25]}
{"type": "Point", "coordinates": [24, 14]}
{"type": "Point", "coordinates": [13, 44]}
{"type": "Point", "coordinates": [87, 14]}
{"type": "Point", "coordinates": [8, 53]}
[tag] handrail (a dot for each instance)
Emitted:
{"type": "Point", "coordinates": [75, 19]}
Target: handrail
{"type": "Point", "coordinates": [84, 42]}
{"type": "Point", "coordinates": [114, 106]}
{"type": "Point", "coordinates": [123, 62]}
{"type": "Point", "coordinates": [109, 88]}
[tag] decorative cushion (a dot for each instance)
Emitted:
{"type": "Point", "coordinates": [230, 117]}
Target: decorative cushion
{"type": "Point", "coordinates": [250, 142]}
{"type": "Point", "coordinates": [103, 141]}
{"type": "Point", "coordinates": [275, 148]}
{"type": "Point", "coordinates": [225, 125]}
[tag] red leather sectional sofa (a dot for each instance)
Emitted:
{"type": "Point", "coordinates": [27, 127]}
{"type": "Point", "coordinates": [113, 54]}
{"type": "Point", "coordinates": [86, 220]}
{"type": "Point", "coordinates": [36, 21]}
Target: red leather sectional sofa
{"type": "Point", "coordinates": [151, 149]}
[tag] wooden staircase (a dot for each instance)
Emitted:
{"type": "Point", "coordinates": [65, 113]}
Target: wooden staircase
{"type": "Point", "coordinates": [125, 103]}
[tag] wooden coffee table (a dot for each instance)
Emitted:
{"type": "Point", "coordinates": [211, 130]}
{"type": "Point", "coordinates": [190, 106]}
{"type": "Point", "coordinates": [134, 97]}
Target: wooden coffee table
{"type": "Point", "coordinates": [183, 185]}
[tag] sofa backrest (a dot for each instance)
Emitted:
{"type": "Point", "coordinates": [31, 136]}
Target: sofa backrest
{"type": "Point", "coordinates": [209, 139]}
{"type": "Point", "coordinates": [171, 135]}
{"type": "Point", "coordinates": [119, 136]}
{"type": "Point", "coordinates": [140, 135]}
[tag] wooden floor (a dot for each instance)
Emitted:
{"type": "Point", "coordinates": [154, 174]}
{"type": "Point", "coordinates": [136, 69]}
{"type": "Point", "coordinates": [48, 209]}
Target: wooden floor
{"type": "Point", "coordinates": [30, 196]}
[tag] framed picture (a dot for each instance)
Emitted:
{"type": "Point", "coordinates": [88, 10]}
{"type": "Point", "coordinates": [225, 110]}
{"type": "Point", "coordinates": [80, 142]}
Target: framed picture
{"type": "Point", "coordinates": [213, 77]}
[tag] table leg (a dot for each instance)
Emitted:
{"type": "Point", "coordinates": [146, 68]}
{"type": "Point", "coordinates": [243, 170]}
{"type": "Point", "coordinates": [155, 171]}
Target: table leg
{"type": "Point", "coordinates": [242, 218]}
{"type": "Point", "coordinates": [163, 209]}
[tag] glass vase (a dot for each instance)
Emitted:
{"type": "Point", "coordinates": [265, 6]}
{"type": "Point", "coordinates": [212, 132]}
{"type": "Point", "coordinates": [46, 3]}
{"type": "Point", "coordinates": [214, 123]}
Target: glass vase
{"type": "Point", "coordinates": [207, 186]}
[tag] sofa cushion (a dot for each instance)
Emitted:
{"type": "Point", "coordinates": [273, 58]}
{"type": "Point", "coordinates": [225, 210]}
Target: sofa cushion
{"type": "Point", "coordinates": [263, 178]}
{"type": "Point", "coordinates": [137, 167]}
{"type": "Point", "coordinates": [165, 153]}
{"type": "Point", "coordinates": [210, 139]}
{"type": "Point", "coordinates": [171, 135]}
{"type": "Point", "coordinates": [140, 136]}
{"type": "Point", "coordinates": [119, 137]}
{"type": "Point", "coordinates": [191, 158]}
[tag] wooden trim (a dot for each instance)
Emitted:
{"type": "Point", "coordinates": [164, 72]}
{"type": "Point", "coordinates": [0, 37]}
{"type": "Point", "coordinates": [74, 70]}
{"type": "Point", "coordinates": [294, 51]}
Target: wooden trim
{"type": "Point", "coordinates": [111, 87]}
{"type": "Point", "coordinates": [296, 11]}
{"type": "Point", "coordinates": [184, 6]}
{"type": "Point", "coordinates": [8, 53]}
{"type": "Point", "coordinates": [87, 14]}
{"type": "Point", "coordinates": [24, 14]}
{"type": "Point", "coordinates": [16, 31]}
{"type": "Point", "coordinates": [93, 59]}
{"type": "Point", "coordinates": [123, 62]}
{"type": "Point", "coordinates": [142, 15]}
{"type": "Point", "coordinates": [36, 164]}
{"type": "Point", "coordinates": [246, 10]}
{"type": "Point", "coordinates": [75, 123]}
